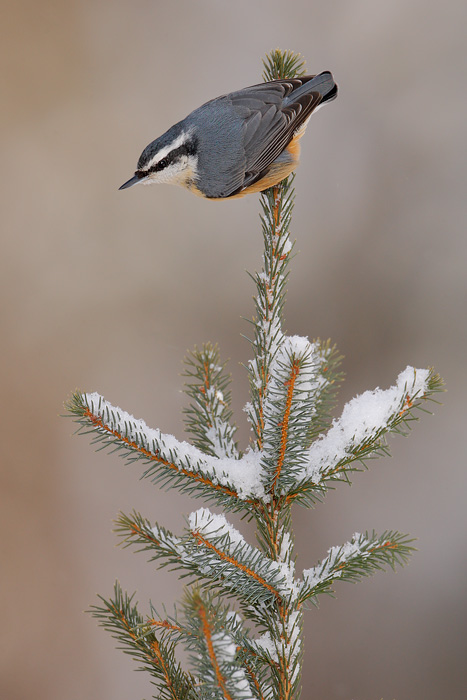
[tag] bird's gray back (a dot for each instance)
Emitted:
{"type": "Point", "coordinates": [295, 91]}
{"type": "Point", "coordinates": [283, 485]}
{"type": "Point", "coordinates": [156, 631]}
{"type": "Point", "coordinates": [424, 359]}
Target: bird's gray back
{"type": "Point", "coordinates": [242, 133]}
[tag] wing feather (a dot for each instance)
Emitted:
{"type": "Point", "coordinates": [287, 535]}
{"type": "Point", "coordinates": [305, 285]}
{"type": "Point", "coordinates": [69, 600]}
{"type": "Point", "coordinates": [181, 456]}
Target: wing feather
{"type": "Point", "coordinates": [270, 124]}
{"type": "Point", "coordinates": [260, 122]}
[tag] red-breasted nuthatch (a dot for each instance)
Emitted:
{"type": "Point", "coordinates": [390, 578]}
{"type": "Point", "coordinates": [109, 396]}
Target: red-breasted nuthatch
{"type": "Point", "coordinates": [238, 143]}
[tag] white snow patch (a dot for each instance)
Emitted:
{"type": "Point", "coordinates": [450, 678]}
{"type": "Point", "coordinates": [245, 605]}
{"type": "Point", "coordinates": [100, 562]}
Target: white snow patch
{"type": "Point", "coordinates": [234, 618]}
{"type": "Point", "coordinates": [286, 545]}
{"type": "Point", "coordinates": [289, 649]}
{"type": "Point", "coordinates": [243, 475]}
{"type": "Point", "coordinates": [266, 643]}
{"type": "Point", "coordinates": [336, 555]}
{"type": "Point", "coordinates": [224, 646]}
{"type": "Point", "coordinates": [212, 525]}
{"type": "Point", "coordinates": [361, 420]}
{"type": "Point", "coordinates": [225, 650]}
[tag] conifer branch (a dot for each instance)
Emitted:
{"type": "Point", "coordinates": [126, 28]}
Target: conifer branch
{"type": "Point", "coordinates": [215, 653]}
{"type": "Point", "coordinates": [296, 385]}
{"type": "Point", "coordinates": [252, 576]}
{"type": "Point", "coordinates": [208, 416]}
{"type": "Point", "coordinates": [277, 204]}
{"type": "Point", "coordinates": [172, 463]}
{"type": "Point", "coordinates": [256, 664]}
{"type": "Point", "coordinates": [360, 557]}
{"type": "Point", "coordinates": [281, 647]}
{"type": "Point", "coordinates": [330, 377]}
{"type": "Point", "coordinates": [121, 618]}
{"type": "Point", "coordinates": [212, 550]}
{"type": "Point", "coordinates": [163, 545]}
{"type": "Point", "coordinates": [253, 662]}
{"type": "Point", "coordinates": [166, 626]}
{"type": "Point", "coordinates": [283, 64]}
{"type": "Point", "coordinates": [361, 431]}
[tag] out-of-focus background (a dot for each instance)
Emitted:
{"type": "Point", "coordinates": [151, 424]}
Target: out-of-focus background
{"type": "Point", "coordinates": [105, 290]}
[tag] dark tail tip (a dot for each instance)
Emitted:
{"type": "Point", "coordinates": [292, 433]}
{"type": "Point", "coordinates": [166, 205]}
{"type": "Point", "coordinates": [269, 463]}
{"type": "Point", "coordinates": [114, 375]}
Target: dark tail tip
{"type": "Point", "coordinates": [326, 86]}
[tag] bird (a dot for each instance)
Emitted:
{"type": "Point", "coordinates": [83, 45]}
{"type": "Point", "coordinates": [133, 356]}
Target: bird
{"type": "Point", "coordinates": [239, 143]}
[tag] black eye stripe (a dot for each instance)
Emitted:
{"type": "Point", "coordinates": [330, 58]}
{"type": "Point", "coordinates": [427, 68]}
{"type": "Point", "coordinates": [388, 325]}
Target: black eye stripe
{"type": "Point", "coordinates": [187, 149]}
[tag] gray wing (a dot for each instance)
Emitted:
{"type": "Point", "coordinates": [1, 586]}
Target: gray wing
{"type": "Point", "coordinates": [270, 117]}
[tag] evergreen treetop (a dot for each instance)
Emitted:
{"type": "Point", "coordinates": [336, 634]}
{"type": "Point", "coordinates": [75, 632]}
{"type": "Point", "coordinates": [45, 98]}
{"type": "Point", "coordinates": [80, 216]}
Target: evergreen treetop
{"type": "Point", "coordinates": [241, 618]}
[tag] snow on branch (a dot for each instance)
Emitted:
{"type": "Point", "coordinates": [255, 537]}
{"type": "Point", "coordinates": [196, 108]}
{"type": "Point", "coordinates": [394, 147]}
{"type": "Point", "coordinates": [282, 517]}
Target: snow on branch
{"type": "Point", "coordinates": [277, 204]}
{"type": "Point", "coordinates": [359, 557]}
{"type": "Point", "coordinates": [214, 550]}
{"type": "Point", "coordinates": [229, 482]}
{"type": "Point", "coordinates": [215, 654]}
{"type": "Point", "coordinates": [294, 383]}
{"type": "Point", "coordinates": [208, 416]}
{"type": "Point", "coordinates": [282, 648]}
{"type": "Point", "coordinates": [330, 377]}
{"type": "Point", "coordinates": [222, 553]}
{"type": "Point", "coordinates": [230, 622]}
{"type": "Point", "coordinates": [361, 430]}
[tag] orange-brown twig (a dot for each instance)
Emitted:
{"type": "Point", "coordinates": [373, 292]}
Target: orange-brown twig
{"type": "Point", "coordinates": [225, 557]}
{"type": "Point", "coordinates": [221, 681]}
{"type": "Point", "coordinates": [285, 422]}
{"type": "Point", "coordinates": [155, 457]}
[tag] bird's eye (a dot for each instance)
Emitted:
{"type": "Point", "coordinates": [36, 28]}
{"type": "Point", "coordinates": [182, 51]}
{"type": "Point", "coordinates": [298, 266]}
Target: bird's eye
{"type": "Point", "coordinates": [163, 163]}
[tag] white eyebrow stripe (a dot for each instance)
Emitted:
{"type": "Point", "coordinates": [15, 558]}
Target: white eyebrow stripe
{"type": "Point", "coordinates": [179, 141]}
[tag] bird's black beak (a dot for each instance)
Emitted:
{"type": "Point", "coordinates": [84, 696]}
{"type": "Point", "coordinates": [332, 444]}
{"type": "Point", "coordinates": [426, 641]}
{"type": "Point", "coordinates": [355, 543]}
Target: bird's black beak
{"type": "Point", "coordinates": [129, 183]}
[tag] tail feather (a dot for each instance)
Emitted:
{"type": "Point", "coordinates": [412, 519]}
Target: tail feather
{"type": "Point", "coordinates": [322, 83]}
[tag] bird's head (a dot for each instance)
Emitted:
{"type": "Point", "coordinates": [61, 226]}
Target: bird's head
{"type": "Point", "coordinates": [172, 158]}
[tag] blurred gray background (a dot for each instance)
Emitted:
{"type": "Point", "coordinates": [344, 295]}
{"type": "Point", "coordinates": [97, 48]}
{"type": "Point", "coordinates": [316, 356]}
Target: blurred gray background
{"type": "Point", "coordinates": [105, 290]}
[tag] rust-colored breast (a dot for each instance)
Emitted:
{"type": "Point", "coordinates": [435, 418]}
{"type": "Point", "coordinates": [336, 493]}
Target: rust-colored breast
{"type": "Point", "coordinates": [277, 172]}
